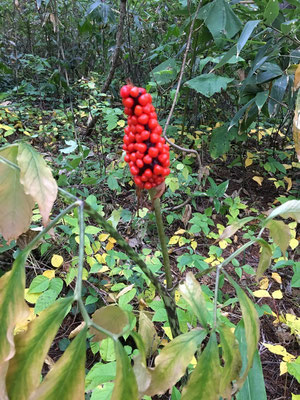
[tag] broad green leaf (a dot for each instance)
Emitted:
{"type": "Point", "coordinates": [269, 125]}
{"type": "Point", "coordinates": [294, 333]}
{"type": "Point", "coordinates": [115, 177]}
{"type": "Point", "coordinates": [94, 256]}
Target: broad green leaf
{"type": "Point", "coordinates": [192, 293]}
{"type": "Point", "coordinates": [280, 233]}
{"type": "Point", "coordinates": [39, 284]}
{"type": "Point", "coordinates": [111, 318]}
{"type": "Point", "coordinates": [264, 259]}
{"type": "Point", "coordinates": [290, 209]}
{"type": "Point", "coordinates": [13, 309]}
{"type": "Point", "coordinates": [166, 71]}
{"type": "Point", "coordinates": [232, 360]}
{"type": "Point", "coordinates": [220, 140]}
{"type": "Point", "coordinates": [240, 113]}
{"type": "Point", "coordinates": [277, 93]}
{"type": "Point", "coordinates": [37, 179]}
{"type": "Point", "coordinates": [125, 383]}
{"type": "Point", "coordinates": [100, 373]}
{"type": "Point", "coordinates": [246, 33]}
{"type": "Point", "coordinates": [260, 99]}
{"type": "Point", "coordinates": [66, 379]}
{"type": "Point", "coordinates": [172, 361]}
{"type": "Point", "coordinates": [148, 334]}
{"type": "Point", "coordinates": [271, 11]}
{"type": "Point", "coordinates": [294, 369]}
{"type": "Point", "coordinates": [16, 206]}
{"type": "Point", "coordinates": [31, 349]}
{"type": "Point", "coordinates": [209, 84]}
{"type": "Point", "coordinates": [296, 126]}
{"type": "Point", "coordinates": [251, 323]}
{"type": "Point", "coordinates": [204, 382]}
{"type": "Point", "coordinates": [254, 385]}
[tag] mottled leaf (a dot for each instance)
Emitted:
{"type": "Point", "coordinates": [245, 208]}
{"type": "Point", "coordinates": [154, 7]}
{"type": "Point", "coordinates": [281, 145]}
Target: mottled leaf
{"type": "Point", "coordinates": [32, 347]}
{"type": "Point", "coordinates": [13, 309]}
{"type": "Point", "coordinates": [290, 209]}
{"type": "Point", "coordinates": [264, 259]}
{"type": "Point", "coordinates": [111, 318]}
{"type": "Point", "coordinates": [148, 334]}
{"type": "Point", "coordinates": [125, 383]}
{"type": "Point", "coordinates": [16, 206]}
{"type": "Point", "coordinates": [192, 293]}
{"type": "Point", "coordinates": [37, 179]}
{"type": "Point", "coordinates": [204, 382]}
{"type": "Point", "coordinates": [280, 233]}
{"type": "Point", "coordinates": [231, 229]}
{"type": "Point", "coordinates": [66, 378]}
{"type": "Point", "coordinates": [172, 361]}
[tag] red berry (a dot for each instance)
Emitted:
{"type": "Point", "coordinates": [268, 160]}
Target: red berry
{"type": "Point", "coordinates": [131, 147]}
{"type": "Point", "coordinates": [139, 163]}
{"type": "Point", "coordinates": [152, 123]}
{"type": "Point", "coordinates": [127, 158]}
{"type": "Point", "coordinates": [166, 171]}
{"type": "Point", "coordinates": [153, 115]}
{"type": "Point", "coordinates": [127, 130]}
{"type": "Point", "coordinates": [138, 110]}
{"type": "Point", "coordinates": [124, 147]}
{"type": "Point", "coordinates": [139, 128]}
{"type": "Point", "coordinates": [153, 152]}
{"type": "Point", "coordinates": [138, 181]}
{"type": "Point", "coordinates": [147, 159]}
{"type": "Point", "coordinates": [141, 147]}
{"type": "Point", "coordinates": [158, 130]}
{"type": "Point", "coordinates": [143, 119]}
{"type": "Point", "coordinates": [125, 91]}
{"type": "Point", "coordinates": [158, 170]}
{"type": "Point", "coordinates": [127, 111]}
{"type": "Point", "coordinates": [147, 108]}
{"type": "Point", "coordinates": [129, 102]}
{"type": "Point", "coordinates": [143, 90]}
{"type": "Point", "coordinates": [148, 173]}
{"type": "Point", "coordinates": [134, 92]}
{"type": "Point", "coordinates": [144, 99]}
{"type": "Point", "coordinates": [131, 137]}
{"type": "Point", "coordinates": [134, 170]}
{"type": "Point", "coordinates": [144, 178]}
{"type": "Point", "coordinates": [132, 157]}
{"type": "Point", "coordinates": [139, 155]}
{"type": "Point", "coordinates": [162, 158]}
{"type": "Point", "coordinates": [133, 120]}
{"type": "Point", "coordinates": [148, 185]}
{"type": "Point", "coordinates": [154, 138]}
{"type": "Point", "coordinates": [145, 135]}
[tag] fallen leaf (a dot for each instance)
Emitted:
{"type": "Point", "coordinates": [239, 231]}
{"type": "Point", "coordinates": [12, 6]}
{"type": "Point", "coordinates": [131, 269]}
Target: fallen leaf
{"type": "Point", "coordinates": [277, 294]}
{"type": "Point", "coordinates": [56, 260]}
{"type": "Point", "coordinates": [261, 293]}
{"type": "Point", "coordinates": [258, 179]}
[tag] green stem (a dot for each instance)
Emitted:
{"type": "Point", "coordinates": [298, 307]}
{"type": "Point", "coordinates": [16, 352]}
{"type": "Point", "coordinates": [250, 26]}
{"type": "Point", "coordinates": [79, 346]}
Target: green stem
{"type": "Point", "coordinates": [216, 296]}
{"type": "Point", "coordinates": [78, 287]}
{"type": "Point", "coordinates": [162, 238]}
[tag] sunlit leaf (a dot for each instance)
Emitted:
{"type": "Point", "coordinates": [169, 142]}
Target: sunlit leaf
{"type": "Point", "coordinates": [56, 260]}
{"type": "Point", "coordinates": [280, 233]}
{"type": "Point", "coordinates": [277, 294]}
{"type": "Point", "coordinates": [258, 179]}
{"type": "Point", "coordinates": [16, 206]}
{"type": "Point", "coordinates": [192, 293]}
{"type": "Point", "coordinates": [66, 378]}
{"type": "Point", "coordinates": [264, 283]}
{"type": "Point", "coordinates": [261, 293]}
{"type": "Point", "coordinates": [13, 309]}
{"type": "Point", "coordinates": [276, 277]}
{"type": "Point", "coordinates": [231, 229]}
{"type": "Point", "coordinates": [31, 349]}
{"type": "Point", "coordinates": [37, 179]}
{"type": "Point", "coordinates": [111, 318]}
{"type": "Point", "coordinates": [290, 209]}
{"type": "Point", "coordinates": [293, 243]}
{"type": "Point", "coordinates": [125, 387]}
{"type": "Point", "coordinates": [204, 382]}
{"type": "Point", "coordinates": [171, 363]}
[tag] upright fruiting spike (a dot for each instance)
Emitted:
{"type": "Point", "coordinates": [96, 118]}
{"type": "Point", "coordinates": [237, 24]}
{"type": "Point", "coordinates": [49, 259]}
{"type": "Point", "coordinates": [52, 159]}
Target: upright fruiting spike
{"type": "Point", "coordinates": [146, 150]}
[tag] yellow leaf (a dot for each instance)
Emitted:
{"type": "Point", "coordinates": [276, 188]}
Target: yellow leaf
{"type": "Point", "coordinates": [111, 240]}
{"type": "Point", "coordinates": [50, 273]}
{"type": "Point", "coordinates": [182, 241]}
{"type": "Point", "coordinates": [279, 350]}
{"type": "Point", "coordinates": [289, 182]}
{"type": "Point", "coordinates": [103, 236]}
{"type": "Point", "coordinates": [168, 332]}
{"type": "Point", "coordinates": [283, 367]}
{"type": "Point", "coordinates": [293, 225]}
{"type": "Point", "coordinates": [101, 258]}
{"type": "Point", "coordinates": [121, 123]}
{"type": "Point", "coordinates": [6, 127]}
{"type": "Point", "coordinates": [22, 325]}
{"type": "Point", "coordinates": [223, 244]}
{"type": "Point", "coordinates": [194, 244]}
{"type": "Point", "coordinates": [276, 277]}
{"type": "Point", "coordinates": [56, 261]}
{"type": "Point", "coordinates": [261, 293]}
{"type": "Point", "coordinates": [293, 243]}
{"type": "Point", "coordinates": [277, 294]}
{"type": "Point", "coordinates": [103, 269]}
{"type": "Point", "coordinates": [249, 159]}
{"type": "Point", "coordinates": [218, 124]}
{"type": "Point", "coordinates": [177, 296]}
{"type": "Point", "coordinates": [295, 396]}
{"type": "Point", "coordinates": [264, 283]}
{"type": "Point", "coordinates": [258, 179]}
{"type": "Point", "coordinates": [31, 297]}
{"type": "Point", "coordinates": [109, 246]}
{"type": "Point", "coordinates": [174, 239]}
{"type": "Point", "coordinates": [180, 232]}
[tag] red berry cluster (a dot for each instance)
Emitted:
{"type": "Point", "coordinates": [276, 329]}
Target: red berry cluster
{"type": "Point", "coordinates": [146, 150]}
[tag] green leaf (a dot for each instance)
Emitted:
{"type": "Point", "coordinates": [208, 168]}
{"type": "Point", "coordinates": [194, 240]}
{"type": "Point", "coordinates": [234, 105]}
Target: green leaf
{"type": "Point", "coordinates": [148, 334]}
{"type": "Point", "coordinates": [296, 277]}
{"type": "Point", "coordinates": [39, 284]}
{"type": "Point", "coordinates": [31, 349]}
{"type": "Point", "coordinates": [171, 363]}
{"type": "Point", "coordinates": [192, 293]}
{"type": "Point", "coordinates": [66, 379]}
{"type": "Point", "coordinates": [37, 179]}
{"type": "Point", "coordinates": [271, 11]}
{"type": "Point", "coordinates": [221, 20]}
{"type": "Point", "coordinates": [260, 99]}
{"type": "Point", "coordinates": [111, 318]}
{"type": "Point", "coordinates": [125, 383]}
{"type": "Point", "coordinates": [100, 373]}
{"type": "Point", "coordinates": [247, 31]}
{"type": "Point", "coordinates": [277, 93]}
{"type": "Point", "coordinates": [220, 140]}
{"type": "Point", "coordinates": [290, 209]}
{"type": "Point", "coordinates": [264, 259]}
{"type": "Point", "coordinates": [251, 323]}
{"type": "Point", "coordinates": [113, 183]}
{"type": "Point", "coordinates": [254, 385]}
{"type": "Point", "coordinates": [280, 233]}
{"type": "Point", "coordinates": [16, 206]}
{"type": "Point", "coordinates": [240, 113]}
{"type": "Point", "coordinates": [231, 229]}
{"type": "Point", "coordinates": [232, 360]}
{"type": "Point", "coordinates": [294, 369]}
{"type": "Point", "coordinates": [204, 382]}
{"type": "Point", "coordinates": [209, 84]}
{"type": "Point", "coordinates": [165, 72]}
{"type": "Point", "coordinates": [13, 309]}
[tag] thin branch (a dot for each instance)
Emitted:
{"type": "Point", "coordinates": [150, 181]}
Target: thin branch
{"type": "Point", "coordinates": [177, 93]}
{"type": "Point", "coordinates": [113, 67]}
